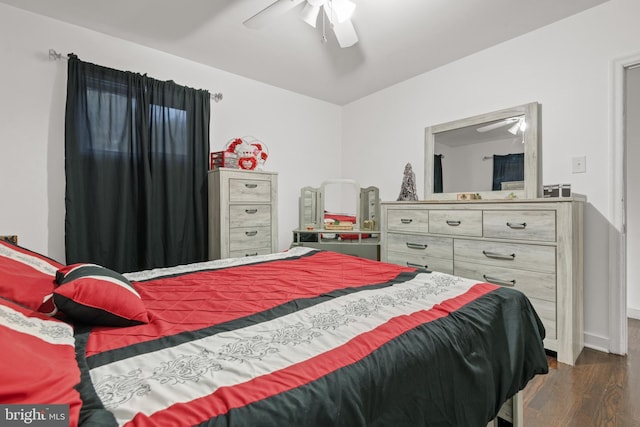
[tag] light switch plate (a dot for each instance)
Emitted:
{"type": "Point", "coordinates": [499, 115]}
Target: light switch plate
{"type": "Point", "coordinates": [579, 164]}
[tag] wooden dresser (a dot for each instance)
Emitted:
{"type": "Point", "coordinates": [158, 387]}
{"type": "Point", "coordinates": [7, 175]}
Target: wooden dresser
{"type": "Point", "coordinates": [243, 217]}
{"type": "Point", "coordinates": [532, 245]}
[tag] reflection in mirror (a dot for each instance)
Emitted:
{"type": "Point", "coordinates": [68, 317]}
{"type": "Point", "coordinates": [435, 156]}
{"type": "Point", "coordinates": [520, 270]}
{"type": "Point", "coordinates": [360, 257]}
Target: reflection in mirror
{"type": "Point", "coordinates": [341, 198]}
{"type": "Point", "coordinates": [493, 154]}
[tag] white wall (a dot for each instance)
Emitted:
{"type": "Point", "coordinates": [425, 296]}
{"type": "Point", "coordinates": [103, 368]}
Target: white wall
{"type": "Point", "coordinates": [633, 198]}
{"type": "Point", "coordinates": [32, 104]}
{"type": "Point", "coordinates": [565, 67]}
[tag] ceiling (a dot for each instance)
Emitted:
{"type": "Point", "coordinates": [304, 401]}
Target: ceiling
{"type": "Point", "coordinates": [399, 39]}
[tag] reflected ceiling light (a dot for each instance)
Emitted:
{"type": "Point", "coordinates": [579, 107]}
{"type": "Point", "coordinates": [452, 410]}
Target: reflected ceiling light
{"type": "Point", "coordinates": [520, 125]}
{"type": "Point", "coordinates": [498, 124]}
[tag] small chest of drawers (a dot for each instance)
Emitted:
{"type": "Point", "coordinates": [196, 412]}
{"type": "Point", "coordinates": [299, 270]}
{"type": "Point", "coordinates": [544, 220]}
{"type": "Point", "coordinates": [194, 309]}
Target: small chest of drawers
{"type": "Point", "coordinates": [242, 213]}
{"type": "Point", "coordinates": [534, 246]}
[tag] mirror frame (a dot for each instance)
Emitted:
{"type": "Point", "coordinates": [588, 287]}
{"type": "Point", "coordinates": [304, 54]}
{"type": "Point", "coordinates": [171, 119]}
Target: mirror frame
{"type": "Point", "coordinates": [532, 182]}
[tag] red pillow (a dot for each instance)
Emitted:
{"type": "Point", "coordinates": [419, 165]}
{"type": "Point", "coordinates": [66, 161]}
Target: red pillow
{"type": "Point", "coordinates": [95, 295]}
{"type": "Point", "coordinates": [38, 360]}
{"type": "Point", "coordinates": [26, 277]}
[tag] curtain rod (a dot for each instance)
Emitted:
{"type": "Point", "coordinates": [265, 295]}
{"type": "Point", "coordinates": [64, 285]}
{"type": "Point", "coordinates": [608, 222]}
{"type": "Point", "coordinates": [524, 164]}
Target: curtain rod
{"type": "Point", "coordinates": [54, 56]}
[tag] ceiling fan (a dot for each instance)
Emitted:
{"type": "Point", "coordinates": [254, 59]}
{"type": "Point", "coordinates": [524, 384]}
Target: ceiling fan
{"type": "Point", "coordinates": [337, 12]}
{"type": "Point", "coordinates": [517, 124]}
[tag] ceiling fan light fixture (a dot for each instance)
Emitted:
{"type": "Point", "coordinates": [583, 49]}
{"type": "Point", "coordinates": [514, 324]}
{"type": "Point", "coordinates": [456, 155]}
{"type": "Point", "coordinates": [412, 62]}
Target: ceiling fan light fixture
{"type": "Point", "coordinates": [310, 14]}
{"type": "Point", "coordinates": [343, 9]}
{"type": "Point", "coordinates": [519, 126]}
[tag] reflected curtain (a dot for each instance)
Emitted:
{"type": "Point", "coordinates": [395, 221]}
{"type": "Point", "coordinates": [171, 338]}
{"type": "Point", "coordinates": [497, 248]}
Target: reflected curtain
{"type": "Point", "coordinates": [509, 167]}
{"type": "Point", "coordinates": [437, 173]}
{"type": "Point", "coordinates": [136, 152]}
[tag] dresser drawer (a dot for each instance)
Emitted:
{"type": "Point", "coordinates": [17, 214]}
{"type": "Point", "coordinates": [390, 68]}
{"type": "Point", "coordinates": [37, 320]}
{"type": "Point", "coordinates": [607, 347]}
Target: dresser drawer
{"type": "Point", "coordinates": [546, 311]}
{"type": "Point", "coordinates": [540, 288]}
{"type": "Point", "coordinates": [415, 244]}
{"type": "Point", "coordinates": [421, 261]}
{"type": "Point", "coordinates": [249, 215]}
{"type": "Point", "coordinates": [249, 190]}
{"type": "Point", "coordinates": [408, 220]}
{"type": "Point", "coordinates": [533, 283]}
{"type": "Point", "coordinates": [522, 225]}
{"type": "Point", "coordinates": [249, 237]}
{"type": "Point", "coordinates": [250, 252]}
{"type": "Point", "coordinates": [456, 222]}
{"type": "Point", "coordinates": [508, 255]}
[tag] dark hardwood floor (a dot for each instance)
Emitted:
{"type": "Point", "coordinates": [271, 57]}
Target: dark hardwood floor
{"type": "Point", "coordinates": [600, 390]}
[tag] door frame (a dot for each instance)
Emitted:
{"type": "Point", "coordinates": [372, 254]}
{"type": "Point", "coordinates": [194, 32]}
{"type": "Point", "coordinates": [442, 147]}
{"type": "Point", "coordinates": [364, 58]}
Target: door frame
{"type": "Point", "coordinates": [618, 334]}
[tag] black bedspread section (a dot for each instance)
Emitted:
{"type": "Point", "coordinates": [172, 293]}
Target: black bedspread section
{"type": "Point", "coordinates": [454, 371]}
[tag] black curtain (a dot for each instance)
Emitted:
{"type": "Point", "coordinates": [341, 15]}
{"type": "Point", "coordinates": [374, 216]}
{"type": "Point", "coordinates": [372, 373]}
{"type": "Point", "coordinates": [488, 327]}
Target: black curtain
{"type": "Point", "coordinates": [437, 173]}
{"type": "Point", "coordinates": [136, 169]}
{"type": "Point", "coordinates": [509, 167]}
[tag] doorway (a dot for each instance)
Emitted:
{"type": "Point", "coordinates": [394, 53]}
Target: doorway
{"type": "Point", "coordinates": [632, 196]}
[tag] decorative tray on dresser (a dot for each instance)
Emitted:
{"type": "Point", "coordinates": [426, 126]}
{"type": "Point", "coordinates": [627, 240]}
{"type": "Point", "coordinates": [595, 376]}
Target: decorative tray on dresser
{"type": "Point", "coordinates": [242, 213]}
{"type": "Point", "coordinates": [534, 245]}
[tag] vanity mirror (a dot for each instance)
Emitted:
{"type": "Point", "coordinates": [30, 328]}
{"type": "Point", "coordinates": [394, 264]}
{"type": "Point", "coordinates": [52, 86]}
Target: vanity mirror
{"type": "Point", "coordinates": [493, 155]}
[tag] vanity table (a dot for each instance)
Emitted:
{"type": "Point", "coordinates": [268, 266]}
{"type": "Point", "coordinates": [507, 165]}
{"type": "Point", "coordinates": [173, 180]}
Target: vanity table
{"type": "Point", "coordinates": [508, 237]}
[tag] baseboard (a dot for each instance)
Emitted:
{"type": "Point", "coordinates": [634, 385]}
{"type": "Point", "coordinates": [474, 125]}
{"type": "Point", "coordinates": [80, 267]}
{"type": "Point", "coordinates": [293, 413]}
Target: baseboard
{"type": "Point", "coordinates": [596, 342]}
{"type": "Point", "coordinates": [633, 313]}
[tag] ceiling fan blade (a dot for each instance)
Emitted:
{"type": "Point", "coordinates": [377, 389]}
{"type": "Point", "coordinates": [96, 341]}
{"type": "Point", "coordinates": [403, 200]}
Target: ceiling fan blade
{"type": "Point", "coordinates": [310, 14]}
{"type": "Point", "coordinates": [497, 124]}
{"type": "Point", "coordinates": [344, 31]}
{"type": "Point", "coordinates": [275, 9]}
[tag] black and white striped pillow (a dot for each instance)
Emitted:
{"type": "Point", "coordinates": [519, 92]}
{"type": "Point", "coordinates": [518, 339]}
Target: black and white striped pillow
{"type": "Point", "coordinates": [96, 295]}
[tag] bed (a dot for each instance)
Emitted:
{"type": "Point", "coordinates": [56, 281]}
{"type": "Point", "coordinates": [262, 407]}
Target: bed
{"type": "Point", "coordinates": [304, 337]}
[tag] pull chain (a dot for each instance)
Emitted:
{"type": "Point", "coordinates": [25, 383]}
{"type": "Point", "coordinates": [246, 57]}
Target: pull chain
{"type": "Point", "coordinates": [324, 32]}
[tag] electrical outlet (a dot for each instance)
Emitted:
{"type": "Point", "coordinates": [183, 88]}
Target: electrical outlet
{"type": "Point", "coordinates": [579, 164]}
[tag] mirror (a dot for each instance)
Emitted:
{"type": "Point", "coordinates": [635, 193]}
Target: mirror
{"type": "Point", "coordinates": [341, 198]}
{"type": "Point", "coordinates": [310, 208]}
{"type": "Point", "coordinates": [494, 155]}
{"type": "Point", "coordinates": [370, 208]}
{"type": "Point", "coordinates": [338, 198]}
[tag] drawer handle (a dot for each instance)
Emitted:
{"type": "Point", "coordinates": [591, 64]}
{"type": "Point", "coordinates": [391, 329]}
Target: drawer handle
{"type": "Point", "coordinates": [251, 211]}
{"type": "Point", "coordinates": [251, 185]}
{"type": "Point", "coordinates": [251, 233]}
{"type": "Point", "coordinates": [253, 254]}
{"type": "Point", "coordinates": [453, 223]}
{"type": "Point", "coordinates": [416, 246]}
{"type": "Point", "coordinates": [406, 220]}
{"type": "Point", "coordinates": [510, 257]}
{"type": "Point", "coordinates": [414, 265]}
{"type": "Point", "coordinates": [496, 281]}
{"type": "Point", "coordinates": [517, 225]}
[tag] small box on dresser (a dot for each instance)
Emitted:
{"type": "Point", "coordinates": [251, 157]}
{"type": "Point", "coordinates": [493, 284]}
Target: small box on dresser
{"type": "Point", "coordinates": [533, 245]}
{"type": "Point", "coordinates": [243, 217]}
